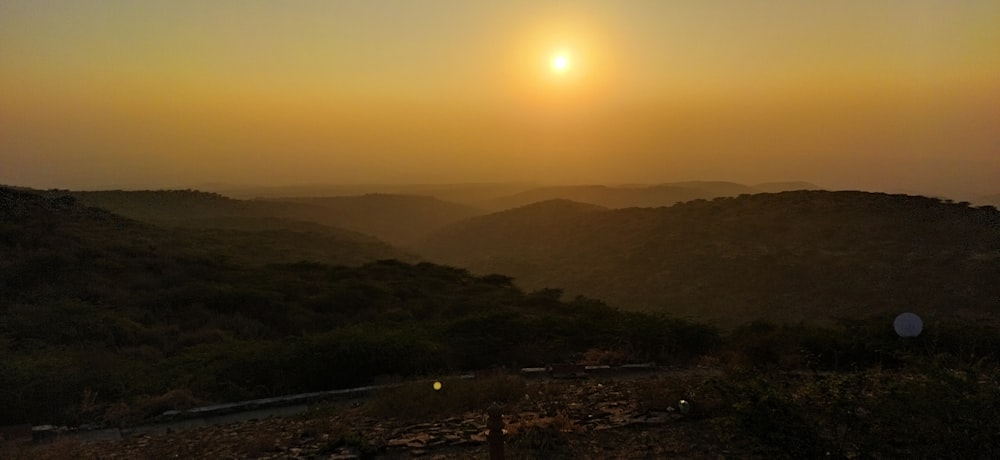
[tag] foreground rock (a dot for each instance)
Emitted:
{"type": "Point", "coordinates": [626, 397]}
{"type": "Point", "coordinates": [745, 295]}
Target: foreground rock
{"type": "Point", "coordinates": [595, 418]}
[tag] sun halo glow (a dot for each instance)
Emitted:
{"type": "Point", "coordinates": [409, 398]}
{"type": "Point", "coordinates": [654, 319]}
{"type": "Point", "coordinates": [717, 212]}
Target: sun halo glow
{"type": "Point", "coordinates": [560, 63]}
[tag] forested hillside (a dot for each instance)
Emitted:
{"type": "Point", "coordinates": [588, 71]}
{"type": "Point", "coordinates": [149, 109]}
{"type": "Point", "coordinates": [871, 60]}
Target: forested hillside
{"type": "Point", "coordinates": [792, 256]}
{"type": "Point", "coordinates": [396, 219]}
{"type": "Point", "coordinates": [191, 224]}
{"type": "Point", "coordinates": [107, 319]}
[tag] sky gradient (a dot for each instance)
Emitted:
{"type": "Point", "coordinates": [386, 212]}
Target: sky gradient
{"type": "Point", "coordinates": [885, 95]}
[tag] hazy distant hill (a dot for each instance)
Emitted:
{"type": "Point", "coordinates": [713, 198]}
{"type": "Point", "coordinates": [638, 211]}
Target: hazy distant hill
{"type": "Point", "coordinates": [468, 193]}
{"type": "Point", "coordinates": [639, 195]}
{"type": "Point", "coordinates": [169, 205]}
{"type": "Point", "coordinates": [398, 219]}
{"type": "Point", "coordinates": [200, 225]}
{"type": "Point", "coordinates": [775, 187]}
{"type": "Point", "coordinates": [793, 255]}
{"type": "Point", "coordinates": [992, 200]}
{"type": "Point", "coordinates": [506, 195]}
{"type": "Point", "coordinates": [196, 209]}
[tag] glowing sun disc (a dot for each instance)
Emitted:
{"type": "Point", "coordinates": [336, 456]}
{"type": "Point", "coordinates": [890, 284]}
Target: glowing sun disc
{"type": "Point", "coordinates": [560, 63]}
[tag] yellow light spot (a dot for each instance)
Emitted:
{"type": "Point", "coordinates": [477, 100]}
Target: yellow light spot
{"type": "Point", "coordinates": [437, 386]}
{"type": "Point", "coordinates": [560, 63]}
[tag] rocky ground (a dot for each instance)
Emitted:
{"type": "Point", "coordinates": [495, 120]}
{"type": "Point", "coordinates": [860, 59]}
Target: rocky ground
{"type": "Point", "coordinates": [626, 418]}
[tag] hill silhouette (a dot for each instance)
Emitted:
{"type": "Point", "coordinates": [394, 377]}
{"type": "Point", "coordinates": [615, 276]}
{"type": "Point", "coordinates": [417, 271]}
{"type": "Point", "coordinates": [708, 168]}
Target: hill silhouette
{"type": "Point", "coordinates": [627, 196]}
{"type": "Point", "coordinates": [166, 206]}
{"type": "Point", "coordinates": [791, 256]}
{"type": "Point", "coordinates": [465, 193]}
{"type": "Point", "coordinates": [776, 187]}
{"type": "Point", "coordinates": [397, 219]}
{"type": "Point", "coordinates": [66, 230]}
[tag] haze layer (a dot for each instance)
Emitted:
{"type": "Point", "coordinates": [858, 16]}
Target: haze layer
{"type": "Point", "coordinates": [885, 95]}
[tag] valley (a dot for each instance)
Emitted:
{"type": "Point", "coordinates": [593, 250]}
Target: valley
{"type": "Point", "coordinates": [118, 306]}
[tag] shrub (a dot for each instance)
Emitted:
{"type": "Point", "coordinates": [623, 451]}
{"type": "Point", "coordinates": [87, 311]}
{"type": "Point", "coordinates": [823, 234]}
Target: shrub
{"type": "Point", "coordinates": [546, 437]}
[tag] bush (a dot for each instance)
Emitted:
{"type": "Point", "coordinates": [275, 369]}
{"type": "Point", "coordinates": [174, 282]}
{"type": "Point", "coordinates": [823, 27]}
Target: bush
{"type": "Point", "coordinates": [926, 413]}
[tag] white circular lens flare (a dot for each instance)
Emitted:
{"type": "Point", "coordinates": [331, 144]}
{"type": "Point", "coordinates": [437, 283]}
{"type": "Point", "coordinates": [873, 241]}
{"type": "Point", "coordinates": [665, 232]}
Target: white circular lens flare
{"type": "Point", "coordinates": [908, 325]}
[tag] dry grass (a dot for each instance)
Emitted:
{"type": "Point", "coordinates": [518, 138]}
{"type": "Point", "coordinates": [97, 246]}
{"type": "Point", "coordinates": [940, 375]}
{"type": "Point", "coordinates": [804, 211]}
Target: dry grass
{"type": "Point", "coordinates": [544, 437]}
{"type": "Point", "coordinates": [602, 357]}
{"type": "Point", "coordinates": [59, 449]}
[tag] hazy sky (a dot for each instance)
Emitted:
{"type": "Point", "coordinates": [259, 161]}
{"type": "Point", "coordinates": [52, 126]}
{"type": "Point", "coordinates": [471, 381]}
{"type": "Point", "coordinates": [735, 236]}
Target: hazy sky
{"type": "Point", "coordinates": [884, 94]}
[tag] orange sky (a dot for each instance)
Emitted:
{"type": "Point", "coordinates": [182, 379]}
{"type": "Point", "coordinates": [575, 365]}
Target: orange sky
{"type": "Point", "coordinates": [889, 95]}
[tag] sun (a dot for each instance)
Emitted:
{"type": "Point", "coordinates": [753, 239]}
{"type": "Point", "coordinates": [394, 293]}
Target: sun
{"type": "Point", "coordinates": [560, 63]}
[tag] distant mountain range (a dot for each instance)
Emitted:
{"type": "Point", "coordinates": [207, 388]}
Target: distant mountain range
{"type": "Point", "coordinates": [468, 193]}
{"type": "Point", "coordinates": [231, 299]}
{"type": "Point", "coordinates": [639, 195]}
{"type": "Point", "coordinates": [500, 196]}
{"type": "Point", "coordinates": [397, 219]}
{"type": "Point", "coordinates": [797, 255]}
{"type": "Point", "coordinates": [206, 225]}
{"type": "Point", "coordinates": [792, 256]}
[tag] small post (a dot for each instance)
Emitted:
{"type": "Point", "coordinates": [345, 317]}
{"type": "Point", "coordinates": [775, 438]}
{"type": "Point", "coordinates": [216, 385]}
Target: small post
{"type": "Point", "coordinates": [495, 436]}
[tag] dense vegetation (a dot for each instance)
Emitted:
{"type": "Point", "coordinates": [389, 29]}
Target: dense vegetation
{"type": "Point", "coordinates": [402, 216]}
{"type": "Point", "coordinates": [99, 309]}
{"type": "Point", "coordinates": [792, 256]}
{"type": "Point", "coordinates": [397, 219]}
{"type": "Point", "coordinates": [104, 319]}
